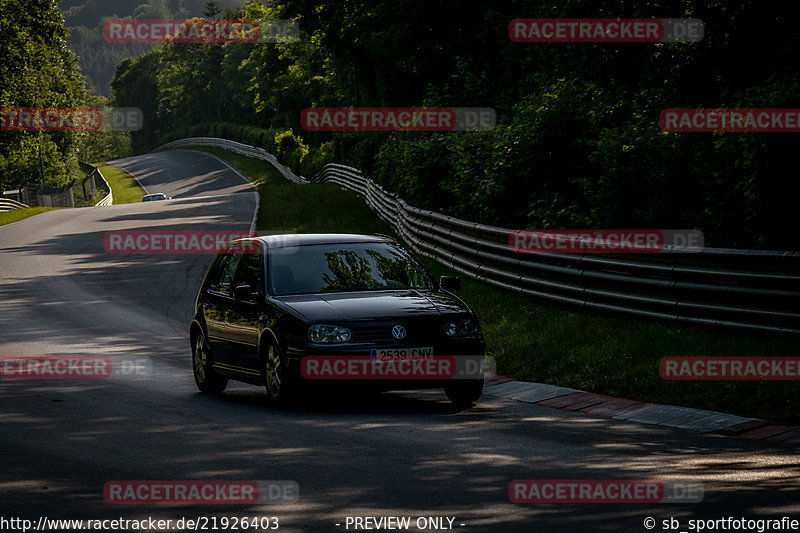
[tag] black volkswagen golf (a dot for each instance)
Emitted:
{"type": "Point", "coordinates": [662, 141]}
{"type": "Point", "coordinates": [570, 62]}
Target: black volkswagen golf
{"type": "Point", "coordinates": [284, 310]}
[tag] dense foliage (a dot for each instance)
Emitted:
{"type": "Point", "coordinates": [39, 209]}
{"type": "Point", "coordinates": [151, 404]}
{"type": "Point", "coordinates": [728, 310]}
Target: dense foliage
{"type": "Point", "coordinates": [98, 58]}
{"type": "Point", "coordinates": [38, 70]}
{"type": "Point", "coordinates": [577, 143]}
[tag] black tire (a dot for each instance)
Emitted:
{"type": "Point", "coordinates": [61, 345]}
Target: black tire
{"type": "Point", "coordinates": [277, 380]}
{"type": "Point", "coordinates": [205, 377]}
{"type": "Point", "coordinates": [463, 393]}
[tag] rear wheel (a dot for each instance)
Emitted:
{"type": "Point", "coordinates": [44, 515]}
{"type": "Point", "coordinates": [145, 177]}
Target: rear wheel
{"type": "Point", "coordinates": [463, 393]}
{"type": "Point", "coordinates": [206, 378]}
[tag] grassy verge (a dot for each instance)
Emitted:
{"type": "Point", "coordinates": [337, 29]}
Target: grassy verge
{"type": "Point", "coordinates": [7, 217]}
{"type": "Point", "coordinates": [286, 206]}
{"type": "Point", "coordinates": [612, 355]}
{"type": "Point", "coordinates": [125, 188]}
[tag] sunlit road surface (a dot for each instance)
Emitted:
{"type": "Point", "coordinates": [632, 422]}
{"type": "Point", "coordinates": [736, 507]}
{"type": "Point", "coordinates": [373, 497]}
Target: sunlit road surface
{"type": "Point", "coordinates": [397, 454]}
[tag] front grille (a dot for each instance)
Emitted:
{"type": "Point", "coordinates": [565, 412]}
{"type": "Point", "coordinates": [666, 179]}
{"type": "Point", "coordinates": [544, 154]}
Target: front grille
{"type": "Point", "coordinates": [417, 331]}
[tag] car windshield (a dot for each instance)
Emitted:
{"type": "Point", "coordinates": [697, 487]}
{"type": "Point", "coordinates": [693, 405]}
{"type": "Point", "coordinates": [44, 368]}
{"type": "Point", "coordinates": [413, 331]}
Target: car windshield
{"type": "Point", "coordinates": [344, 267]}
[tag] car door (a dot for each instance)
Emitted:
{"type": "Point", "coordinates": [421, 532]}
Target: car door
{"type": "Point", "coordinates": [216, 302]}
{"type": "Point", "coordinates": [244, 313]}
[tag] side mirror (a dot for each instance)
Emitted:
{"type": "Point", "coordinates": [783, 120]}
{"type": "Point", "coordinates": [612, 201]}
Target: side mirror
{"type": "Point", "coordinates": [449, 283]}
{"type": "Point", "coordinates": [243, 293]}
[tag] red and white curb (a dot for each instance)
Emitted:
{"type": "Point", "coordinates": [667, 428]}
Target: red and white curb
{"type": "Point", "coordinates": [604, 406]}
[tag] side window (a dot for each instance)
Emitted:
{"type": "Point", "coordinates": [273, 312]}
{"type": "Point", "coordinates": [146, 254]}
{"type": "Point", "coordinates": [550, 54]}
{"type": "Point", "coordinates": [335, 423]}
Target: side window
{"type": "Point", "coordinates": [215, 272]}
{"type": "Point", "coordinates": [251, 272]}
{"type": "Point", "coordinates": [221, 276]}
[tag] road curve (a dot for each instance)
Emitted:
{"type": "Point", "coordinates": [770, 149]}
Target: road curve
{"type": "Point", "coordinates": [401, 454]}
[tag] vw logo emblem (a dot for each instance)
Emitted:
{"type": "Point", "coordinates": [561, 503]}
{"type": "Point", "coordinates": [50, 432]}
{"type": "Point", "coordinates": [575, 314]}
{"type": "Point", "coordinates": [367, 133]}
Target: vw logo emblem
{"type": "Point", "coordinates": [398, 331]}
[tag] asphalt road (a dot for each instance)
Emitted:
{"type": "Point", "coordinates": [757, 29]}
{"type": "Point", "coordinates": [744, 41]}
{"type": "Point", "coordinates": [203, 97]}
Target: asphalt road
{"type": "Point", "coordinates": [400, 454]}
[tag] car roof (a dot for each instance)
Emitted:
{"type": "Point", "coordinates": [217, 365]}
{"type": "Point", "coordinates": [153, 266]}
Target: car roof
{"type": "Point", "coordinates": [301, 239]}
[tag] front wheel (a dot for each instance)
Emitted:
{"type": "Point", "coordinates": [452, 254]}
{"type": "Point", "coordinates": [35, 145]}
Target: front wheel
{"type": "Point", "coordinates": [206, 378]}
{"type": "Point", "coordinates": [463, 393]}
{"type": "Point", "coordinates": [276, 377]}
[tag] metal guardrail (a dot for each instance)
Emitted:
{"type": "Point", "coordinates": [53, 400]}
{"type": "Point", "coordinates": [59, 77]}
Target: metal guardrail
{"type": "Point", "coordinates": [7, 204]}
{"type": "Point", "coordinates": [107, 199]}
{"type": "Point", "coordinates": [237, 148]}
{"type": "Point", "coordinates": [750, 289]}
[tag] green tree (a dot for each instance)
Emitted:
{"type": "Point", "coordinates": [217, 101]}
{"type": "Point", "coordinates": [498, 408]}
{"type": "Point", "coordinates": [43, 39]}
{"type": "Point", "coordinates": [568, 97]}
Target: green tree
{"type": "Point", "coordinates": [212, 9]}
{"type": "Point", "coordinates": [134, 85]}
{"type": "Point", "coordinates": [37, 69]}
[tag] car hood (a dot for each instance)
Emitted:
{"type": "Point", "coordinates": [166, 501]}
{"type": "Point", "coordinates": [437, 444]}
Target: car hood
{"type": "Point", "coordinates": [373, 305]}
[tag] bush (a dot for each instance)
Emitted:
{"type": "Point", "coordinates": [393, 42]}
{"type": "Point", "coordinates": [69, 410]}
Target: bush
{"type": "Point", "coordinates": [318, 158]}
{"type": "Point", "coordinates": [525, 172]}
{"type": "Point", "coordinates": [290, 149]}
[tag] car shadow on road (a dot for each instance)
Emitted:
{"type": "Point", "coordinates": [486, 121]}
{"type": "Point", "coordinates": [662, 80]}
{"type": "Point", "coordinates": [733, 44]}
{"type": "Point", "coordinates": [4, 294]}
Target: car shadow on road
{"type": "Point", "coordinates": [332, 401]}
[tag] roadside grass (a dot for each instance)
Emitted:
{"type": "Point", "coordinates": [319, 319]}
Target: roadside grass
{"type": "Point", "coordinates": [7, 217]}
{"type": "Point", "coordinates": [613, 355]}
{"type": "Point", "coordinates": [125, 188]}
{"type": "Point", "coordinates": [286, 206]}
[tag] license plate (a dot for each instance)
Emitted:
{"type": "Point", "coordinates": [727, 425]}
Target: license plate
{"type": "Point", "coordinates": [397, 354]}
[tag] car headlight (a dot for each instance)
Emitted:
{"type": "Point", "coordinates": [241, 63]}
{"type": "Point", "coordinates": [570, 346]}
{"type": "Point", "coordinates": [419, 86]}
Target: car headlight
{"type": "Point", "coordinates": [324, 334]}
{"type": "Point", "coordinates": [460, 327]}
